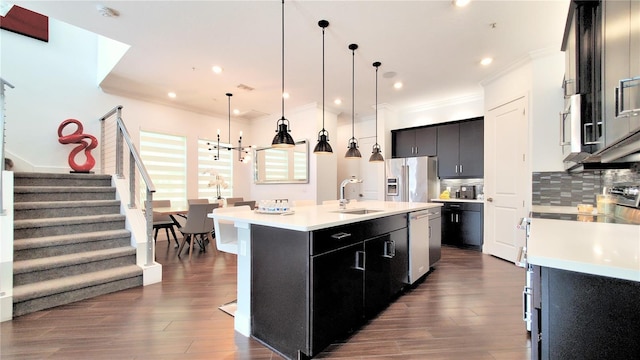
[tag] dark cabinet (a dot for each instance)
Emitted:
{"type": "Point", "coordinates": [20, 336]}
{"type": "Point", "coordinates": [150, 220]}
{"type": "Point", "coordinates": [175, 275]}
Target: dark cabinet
{"type": "Point", "coordinates": [621, 88]}
{"type": "Point", "coordinates": [584, 316]}
{"type": "Point", "coordinates": [414, 142]}
{"type": "Point", "coordinates": [462, 225]}
{"type": "Point", "coordinates": [309, 289]}
{"type": "Point", "coordinates": [461, 149]}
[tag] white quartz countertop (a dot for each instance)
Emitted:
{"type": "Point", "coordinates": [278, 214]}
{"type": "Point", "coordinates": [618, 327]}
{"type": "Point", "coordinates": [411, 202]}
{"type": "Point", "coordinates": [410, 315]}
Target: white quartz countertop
{"type": "Point", "coordinates": [309, 218]}
{"type": "Point", "coordinates": [604, 249]}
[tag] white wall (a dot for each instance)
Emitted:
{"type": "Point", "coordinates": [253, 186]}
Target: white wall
{"type": "Point", "coordinates": [460, 108]}
{"type": "Point", "coordinates": [305, 123]}
{"type": "Point", "coordinates": [55, 81]}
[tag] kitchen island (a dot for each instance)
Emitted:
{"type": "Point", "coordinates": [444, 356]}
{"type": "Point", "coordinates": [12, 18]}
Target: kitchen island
{"type": "Point", "coordinates": [301, 276]}
{"type": "Point", "coordinates": [586, 285]}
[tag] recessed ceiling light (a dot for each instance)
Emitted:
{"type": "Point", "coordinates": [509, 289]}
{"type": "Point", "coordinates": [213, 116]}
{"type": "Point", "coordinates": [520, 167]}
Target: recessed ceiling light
{"type": "Point", "coordinates": [461, 3]}
{"type": "Point", "coordinates": [285, 95]}
{"type": "Point", "coordinates": [397, 85]}
{"type": "Point", "coordinates": [337, 101]}
{"type": "Point", "coordinates": [236, 111]}
{"type": "Point", "coordinates": [216, 69]}
{"type": "Point", "coordinates": [172, 95]}
{"type": "Point", "coordinates": [486, 61]}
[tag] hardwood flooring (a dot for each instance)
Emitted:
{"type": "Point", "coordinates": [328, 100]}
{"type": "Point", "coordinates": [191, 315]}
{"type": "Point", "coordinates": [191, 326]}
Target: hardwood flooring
{"type": "Point", "coordinates": [469, 308]}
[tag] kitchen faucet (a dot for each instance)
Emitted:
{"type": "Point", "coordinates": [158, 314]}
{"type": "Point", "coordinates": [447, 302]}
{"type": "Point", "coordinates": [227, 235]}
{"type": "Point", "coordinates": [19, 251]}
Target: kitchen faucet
{"type": "Point", "coordinates": [343, 201]}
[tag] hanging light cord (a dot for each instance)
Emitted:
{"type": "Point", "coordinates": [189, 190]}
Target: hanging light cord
{"type": "Point", "coordinates": [353, 99]}
{"type": "Point", "coordinates": [282, 94]}
{"type": "Point", "coordinates": [323, 79]}
{"type": "Point", "coordinates": [377, 104]}
{"type": "Point", "coordinates": [229, 113]}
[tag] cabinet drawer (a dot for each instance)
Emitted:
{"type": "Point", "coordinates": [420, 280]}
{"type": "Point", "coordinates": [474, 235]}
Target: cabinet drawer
{"type": "Point", "coordinates": [340, 236]}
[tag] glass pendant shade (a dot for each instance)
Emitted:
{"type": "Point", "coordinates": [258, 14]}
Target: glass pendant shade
{"type": "Point", "coordinates": [323, 147]}
{"type": "Point", "coordinates": [282, 138]}
{"type": "Point", "coordinates": [353, 152]}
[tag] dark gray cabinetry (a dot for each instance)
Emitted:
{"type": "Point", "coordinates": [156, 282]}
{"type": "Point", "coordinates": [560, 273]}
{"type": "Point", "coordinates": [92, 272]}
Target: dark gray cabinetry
{"type": "Point", "coordinates": [621, 90]}
{"type": "Point", "coordinates": [309, 289]}
{"type": "Point", "coordinates": [583, 316]}
{"type": "Point", "coordinates": [461, 149]}
{"type": "Point", "coordinates": [462, 224]}
{"type": "Point", "coordinates": [414, 142]}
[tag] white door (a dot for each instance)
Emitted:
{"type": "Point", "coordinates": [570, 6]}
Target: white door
{"type": "Point", "coordinates": [507, 184]}
{"type": "Point", "coordinates": [372, 174]}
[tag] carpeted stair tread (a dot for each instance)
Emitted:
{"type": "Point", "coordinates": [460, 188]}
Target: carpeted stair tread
{"type": "Point", "coordinates": [25, 266]}
{"type": "Point", "coordinates": [61, 189]}
{"type": "Point", "coordinates": [30, 243]}
{"type": "Point", "coordinates": [69, 220]}
{"type": "Point", "coordinates": [42, 175]}
{"type": "Point", "coordinates": [69, 283]}
{"type": "Point", "coordinates": [63, 204]}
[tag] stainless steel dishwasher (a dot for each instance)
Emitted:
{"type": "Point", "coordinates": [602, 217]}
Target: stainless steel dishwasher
{"type": "Point", "coordinates": [424, 242]}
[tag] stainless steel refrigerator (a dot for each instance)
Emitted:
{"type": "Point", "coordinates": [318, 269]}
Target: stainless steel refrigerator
{"type": "Point", "coordinates": [411, 179]}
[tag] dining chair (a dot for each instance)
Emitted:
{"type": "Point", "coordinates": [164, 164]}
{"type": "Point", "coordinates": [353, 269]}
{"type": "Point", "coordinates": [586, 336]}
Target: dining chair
{"type": "Point", "coordinates": [197, 228]}
{"type": "Point", "coordinates": [161, 221]}
{"type": "Point", "coordinates": [197, 201]}
{"type": "Point", "coordinates": [250, 203]}
{"type": "Point", "coordinates": [298, 203]}
{"type": "Point", "coordinates": [232, 200]}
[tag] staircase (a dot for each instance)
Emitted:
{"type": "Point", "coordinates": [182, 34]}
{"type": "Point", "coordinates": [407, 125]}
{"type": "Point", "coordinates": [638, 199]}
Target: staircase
{"type": "Point", "coordinates": [70, 241]}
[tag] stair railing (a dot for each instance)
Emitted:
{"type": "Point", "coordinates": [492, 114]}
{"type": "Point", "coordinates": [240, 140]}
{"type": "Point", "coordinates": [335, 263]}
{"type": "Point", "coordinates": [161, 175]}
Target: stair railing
{"type": "Point", "coordinates": [122, 136]}
{"type": "Point", "coordinates": [3, 82]}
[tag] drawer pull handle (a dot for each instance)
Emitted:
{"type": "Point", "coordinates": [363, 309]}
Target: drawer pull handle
{"type": "Point", "coordinates": [340, 236]}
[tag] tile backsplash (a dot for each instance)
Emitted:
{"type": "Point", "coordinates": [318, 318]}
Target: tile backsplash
{"type": "Point", "coordinates": [563, 189]}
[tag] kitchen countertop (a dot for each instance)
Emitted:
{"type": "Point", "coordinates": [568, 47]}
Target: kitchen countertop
{"type": "Point", "coordinates": [459, 200]}
{"type": "Point", "coordinates": [309, 218]}
{"type": "Point", "coordinates": [600, 248]}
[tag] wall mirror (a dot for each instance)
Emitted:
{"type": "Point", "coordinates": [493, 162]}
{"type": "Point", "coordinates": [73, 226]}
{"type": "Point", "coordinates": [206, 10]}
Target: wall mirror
{"type": "Point", "coordinates": [282, 166]}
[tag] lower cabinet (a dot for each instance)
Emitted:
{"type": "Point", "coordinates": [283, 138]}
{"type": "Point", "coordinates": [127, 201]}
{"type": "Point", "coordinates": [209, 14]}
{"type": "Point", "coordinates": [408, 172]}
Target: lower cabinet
{"type": "Point", "coordinates": [309, 289]}
{"type": "Point", "coordinates": [462, 224]}
{"type": "Point", "coordinates": [584, 316]}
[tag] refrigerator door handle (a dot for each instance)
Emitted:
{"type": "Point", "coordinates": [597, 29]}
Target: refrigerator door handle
{"type": "Point", "coordinates": [406, 184]}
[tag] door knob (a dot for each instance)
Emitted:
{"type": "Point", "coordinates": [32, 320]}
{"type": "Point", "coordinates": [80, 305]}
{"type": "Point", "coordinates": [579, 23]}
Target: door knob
{"type": "Point", "coordinates": [490, 199]}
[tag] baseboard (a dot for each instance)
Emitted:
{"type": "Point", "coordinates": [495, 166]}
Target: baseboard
{"type": "Point", "coordinates": [152, 274]}
{"type": "Point", "coordinates": [6, 308]}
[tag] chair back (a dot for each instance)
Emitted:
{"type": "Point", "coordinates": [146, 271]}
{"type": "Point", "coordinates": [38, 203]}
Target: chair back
{"type": "Point", "coordinates": [158, 204]}
{"type": "Point", "coordinates": [197, 201]}
{"type": "Point", "coordinates": [197, 220]}
{"type": "Point", "coordinates": [250, 203]}
{"type": "Point", "coordinates": [231, 201]}
{"type": "Point", "coordinates": [226, 232]}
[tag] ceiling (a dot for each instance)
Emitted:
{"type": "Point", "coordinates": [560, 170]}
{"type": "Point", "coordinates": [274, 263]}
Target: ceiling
{"type": "Point", "coordinates": [432, 47]}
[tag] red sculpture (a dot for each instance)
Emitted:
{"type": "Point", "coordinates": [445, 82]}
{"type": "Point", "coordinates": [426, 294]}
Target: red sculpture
{"type": "Point", "coordinates": [77, 137]}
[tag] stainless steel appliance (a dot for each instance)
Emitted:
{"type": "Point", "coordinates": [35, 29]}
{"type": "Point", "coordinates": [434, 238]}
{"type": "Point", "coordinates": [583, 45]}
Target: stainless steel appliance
{"type": "Point", "coordinates": [527, 292]}
{"type": "Point", "coordinates": [411, 179]}
{"type": "Point", "coordinates": [424, 242]}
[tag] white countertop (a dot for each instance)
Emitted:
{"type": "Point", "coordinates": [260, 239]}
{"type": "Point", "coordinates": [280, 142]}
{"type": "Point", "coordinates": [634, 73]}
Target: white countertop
{"type": "Point", "coordinates": [309, 218]}
{"type": "Point", "coordinates": [605, 249]}
{"type": "Point", "coordinates": [459, 200]}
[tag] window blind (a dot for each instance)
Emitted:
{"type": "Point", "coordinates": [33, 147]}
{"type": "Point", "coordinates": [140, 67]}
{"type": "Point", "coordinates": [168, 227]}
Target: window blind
{"type": "Point", "coordinates": [165, 157]}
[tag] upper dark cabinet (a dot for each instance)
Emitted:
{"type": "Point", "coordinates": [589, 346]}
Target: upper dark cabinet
{"type": "Point", "coordinates": [414, 142]}
{"type": "Point", "coordinates": [461, 150]}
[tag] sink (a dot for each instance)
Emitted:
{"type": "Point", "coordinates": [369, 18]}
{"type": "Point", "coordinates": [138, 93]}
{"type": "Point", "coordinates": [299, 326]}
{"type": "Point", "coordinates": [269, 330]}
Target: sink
{"type": "Point", "coordinates": [357, 211]}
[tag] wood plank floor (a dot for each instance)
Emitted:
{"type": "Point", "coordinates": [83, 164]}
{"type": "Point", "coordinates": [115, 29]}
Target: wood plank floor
{"type": "Point", "coordinates": [468, 308]}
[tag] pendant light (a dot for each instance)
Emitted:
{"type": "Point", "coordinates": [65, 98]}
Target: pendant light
{"type": "Point", "coordinates": [323, 146]}
{"type": "Point", "coordinates": [376, 156]}
{"type": "Point", "coordinates": [282, 138]}
{"type": "Point", "coordinates": [353, 152]}
{"type": "Point", "coordinates": [243, 154]}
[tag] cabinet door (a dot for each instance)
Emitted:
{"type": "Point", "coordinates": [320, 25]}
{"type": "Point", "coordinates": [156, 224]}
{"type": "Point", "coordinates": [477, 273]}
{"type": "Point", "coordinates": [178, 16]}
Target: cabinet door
{"type": "Point", "coordinates": [471, 149]}
{"type": "Point", "coordinates": [377, 275]}
{"type": "Point", "coordinates": [337, 294]}
{"type": "Point", "coordinates": [426, 141]}
{"type": "Point", "coordinates": [471, 228]}
{"type": "Point", "coordinates": [404, 143]}
{"type": "Point", "coordinates": [451, 234]}
{"type": "Point", "coordinates": [448, 146]}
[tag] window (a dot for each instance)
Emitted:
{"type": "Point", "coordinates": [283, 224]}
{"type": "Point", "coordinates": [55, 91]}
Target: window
{"type": "Point", "coordinates": [165, 158]}
{"type": "Point", "coordinates": [208, 168]}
